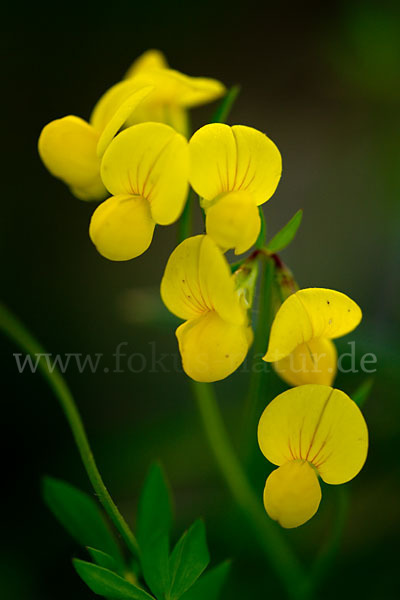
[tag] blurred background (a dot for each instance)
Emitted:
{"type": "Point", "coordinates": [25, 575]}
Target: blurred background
{"type": "Point", "coordinates": [324, 85]}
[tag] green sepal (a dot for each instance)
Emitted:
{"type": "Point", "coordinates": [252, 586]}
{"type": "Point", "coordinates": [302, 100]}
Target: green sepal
{"type": "Point", "coordinates": [80, 515]}
{"type": "Point", "coordinates": [108, 584]}
{"type": "Point", "coordinates": [209, 585]}
{"type": "Point", "coordinates": [188, 560]}
{"type": "Point", "coordinates": [245, 278]}
{"type": "Point", "coordinates": [286, 235]}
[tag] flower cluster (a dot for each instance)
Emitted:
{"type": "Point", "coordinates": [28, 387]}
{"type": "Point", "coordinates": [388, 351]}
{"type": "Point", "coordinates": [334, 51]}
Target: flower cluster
{"type": "Point", "coordinates": [136, 150]}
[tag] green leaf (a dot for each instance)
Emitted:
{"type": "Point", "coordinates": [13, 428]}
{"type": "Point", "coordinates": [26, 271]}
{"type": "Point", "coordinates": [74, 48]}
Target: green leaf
{"type": "Point", "coordinates": [361, 394]}
{"type": "Point", "coordinates": [102, 559]}
{"type": "Point", "coordinates": [209, 586]}
{"type": "Point", "coordinates": [155, 510]}
{"type": "Point", "coordinates": [154, 560]}
{"type": "Point", "coordinates": [154, 523]}
{"type": "Point", "coordinates": [106, 583]}
{"type": "Point", "coordinates": [283, 238]}
{"type": "Point", "coordinates": [224, 108]}
{"type": "Point", "coordinates": [80, 516]}
{"type": "Point", "coordinates": [188, 560]}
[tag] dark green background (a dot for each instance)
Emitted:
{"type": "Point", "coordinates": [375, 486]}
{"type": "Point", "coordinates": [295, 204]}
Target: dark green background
{"type": "Point", "coordinates": [323, 83]}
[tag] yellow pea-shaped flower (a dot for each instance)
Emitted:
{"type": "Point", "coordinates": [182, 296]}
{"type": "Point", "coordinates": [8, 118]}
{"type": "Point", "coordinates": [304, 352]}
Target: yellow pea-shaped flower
{"type": "Point", "coordinates": [310, 431]}
{"type": "Point", "coordinates": [300, 343]}
{"type": "Point", "coordinates": [234, 170]}
{"type": "Point", "coordinates": [145, 168]}
{"type": "Point", "coordinates": [71, 148]}
{"type": "Point", "coordinates": [198, 287]}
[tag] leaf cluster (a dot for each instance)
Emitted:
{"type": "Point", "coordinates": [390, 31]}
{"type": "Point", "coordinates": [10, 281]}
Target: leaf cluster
{"type": "Point", "coordinates": [159, 571]}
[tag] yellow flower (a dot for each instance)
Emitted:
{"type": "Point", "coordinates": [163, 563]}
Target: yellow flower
{"type": "Point", "coordinates": [234, 170]}
{"type": "Point", "coordinates": [146, 170]}
{"type": "Point", "coordinates": [300, 343]}
{"type": "Point", "coordinates": [309, 431]}
{"type": "Point", "coordinates": [71, 148]}
{"type": "Point", "coordinates": [198, 286]}
{"type": "Point", "coordinates": [173, 94]}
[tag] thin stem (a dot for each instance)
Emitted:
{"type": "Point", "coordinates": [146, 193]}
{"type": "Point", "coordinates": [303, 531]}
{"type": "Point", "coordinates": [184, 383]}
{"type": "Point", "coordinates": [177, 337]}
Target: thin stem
{"type": "Point", "coordinates": [263, 230]}
{"type": "Point", "coordinates": [185, 222]}
{"type": "Point", "coordinates": [224, 108]}
{"type": "Point", "coordinates": [14, 329]}
{"type": "Point", "coordinates": [259, 368]}
{"type": "Point", "coordinates": [277, 551]}
{"type": "Point", "coordinates": [325, 560]}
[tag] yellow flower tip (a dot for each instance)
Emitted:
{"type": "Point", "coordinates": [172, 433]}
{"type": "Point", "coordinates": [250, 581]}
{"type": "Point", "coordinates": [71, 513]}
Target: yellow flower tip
{"type": "Point", "coordinates": [225, 159]}
{"type": "Point", "coordinates": [198, 287]}
{"type": "Point", "coordinates": [197, 90]}
{"type": "Point", "coordinates": [175, 87]}
{"type": "Point", "coordinates": [149, 160]}
{"type": "Point", "coordinates": [122, 227]}
{"type": "Point", "coordinates": [67, 147]}
{"type": "Point", "coordinates": [233, 221]}
{"type": "Point", "coordinates": [312, 362]}
{"type": "Point", "coordinates": [318, 424]}
{"type": "Point", "coordinates": [149, 61]}
{"type": "Point", "coordinates": [292, 494]}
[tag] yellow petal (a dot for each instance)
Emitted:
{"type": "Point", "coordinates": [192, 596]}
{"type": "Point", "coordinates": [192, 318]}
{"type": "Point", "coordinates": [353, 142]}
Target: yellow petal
{"type": "Point", "coordinates": [114, 99]}
{"type": "Point", "coordinates": [312, 362]}
{"type": "Point", "coordinates": [148, 61]}
{"type": "Point", "coordinates": [197, 279]}
{"type": "Point", "coordinates": [318, 424]}
{"type": "Point", "coordinates": [172, 114]}
{"type": "Point", "coordinates": [178, 118]}
{"type": "Point", "coordinates": [120, 117]}
{"type": "Point", "coordinates": [211, 348]}
{"type": "Point", "coordinates": [67, 147]}
{"type": "Point", "coordinates": [174, 88]}
{"type": "Point", "coordinates": [292, 494]}
{"type": "Point", "coordinates": [173, 93]}
{"type": "Point", "coordinates": [311, 313]}
{"type": "Point", "coordinates": [225, 159]}
{"type": "Point", "coordinates": [194, 91]}
{"type": "Point", "coordinates": [233, 222]}
{"type": "Point", "coordinates": [122, 227]}
{"type": "Point", "coordinates": [149, 160]}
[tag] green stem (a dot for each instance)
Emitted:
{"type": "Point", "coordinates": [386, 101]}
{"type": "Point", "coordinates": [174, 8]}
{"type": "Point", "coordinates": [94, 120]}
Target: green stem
{"type": "Point", "coordinates": [277, 551]}
{"type": "Point", "coordinates": [185, 222]}
{"type": "Point", "coordinates": [325, 560]}
{"type": "Point", "coordinates": [260, 242]}
{"type": "Point", "coordinates": [224, 108]}
{"type": "Point", "coordinates": [259, 367]}
{"type": "Point", "coordinates": [14, 329]}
